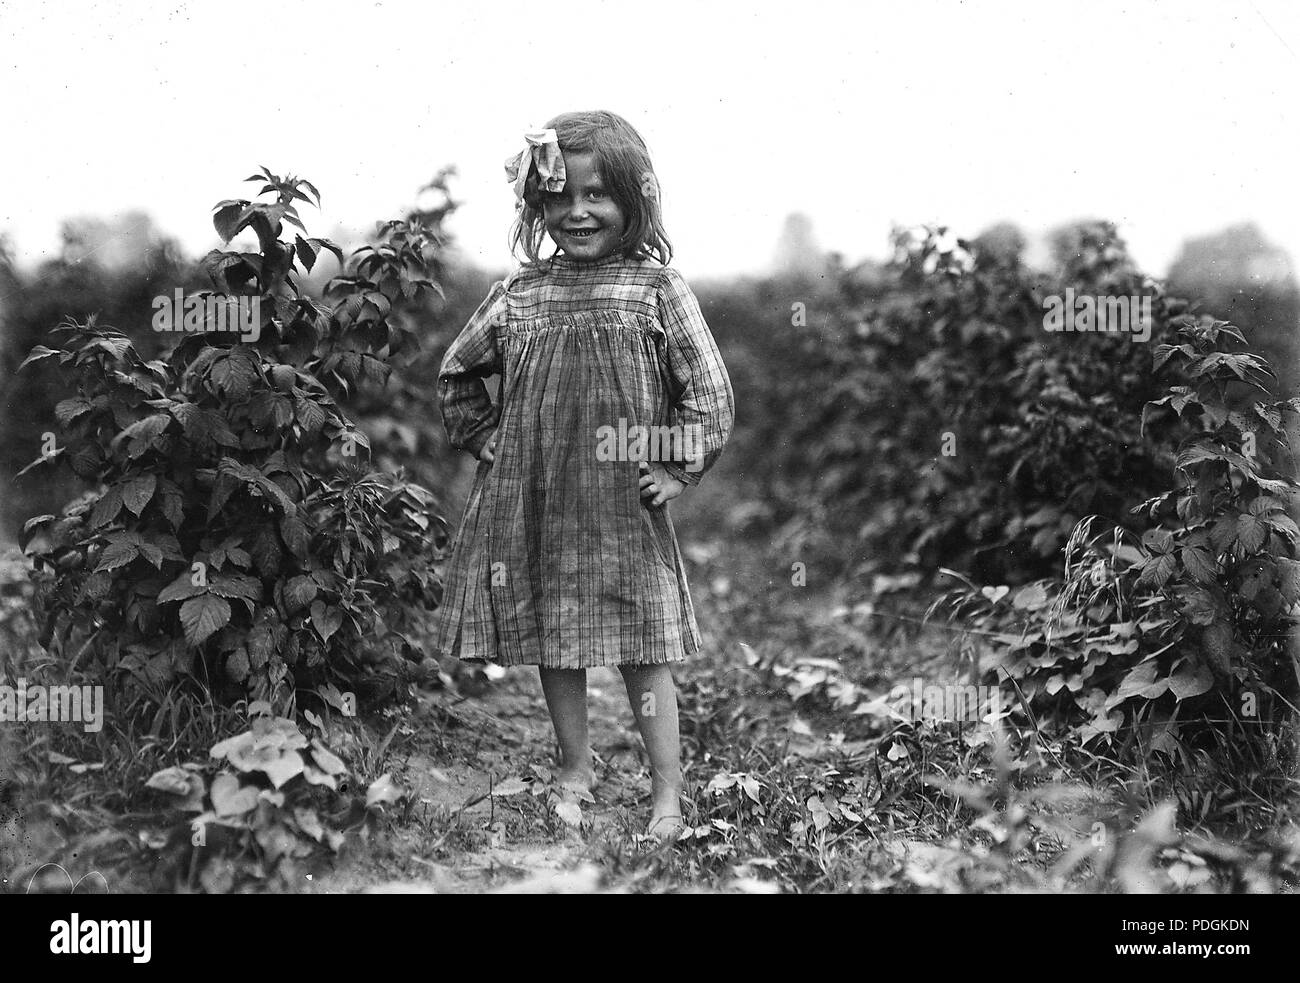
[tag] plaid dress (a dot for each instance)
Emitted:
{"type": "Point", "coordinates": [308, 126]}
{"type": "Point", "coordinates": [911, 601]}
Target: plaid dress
{"type": "Point", "coordinates": [558, 561]}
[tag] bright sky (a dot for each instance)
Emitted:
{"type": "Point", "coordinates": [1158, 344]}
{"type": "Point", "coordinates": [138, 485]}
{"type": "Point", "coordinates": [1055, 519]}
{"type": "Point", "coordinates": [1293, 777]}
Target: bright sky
{"type": "Point", "coordinates": [1171, 118]}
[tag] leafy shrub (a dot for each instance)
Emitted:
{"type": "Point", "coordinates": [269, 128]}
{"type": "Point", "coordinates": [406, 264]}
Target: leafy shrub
{"type": "Point", "coordinates": [72, 284]}
{"type": "Point", "coordinates": [402, 417]}
{"type": "Point", "coordinates": [1175, 642]}
{"type": "Point", "coordinates": [235, 546]}
{"type": "Point", "coordinates": [953, 430]}
{"type": "Point", "coordinates": [279, 799]}
{"type": "Point", "coordinates": [564, 801]}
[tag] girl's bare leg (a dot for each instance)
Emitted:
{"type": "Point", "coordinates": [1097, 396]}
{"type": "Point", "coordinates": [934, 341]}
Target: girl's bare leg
{"type": "Point", "coordinates": [566, 699]}
{"type": "Point", "coordinates": [653, 696]}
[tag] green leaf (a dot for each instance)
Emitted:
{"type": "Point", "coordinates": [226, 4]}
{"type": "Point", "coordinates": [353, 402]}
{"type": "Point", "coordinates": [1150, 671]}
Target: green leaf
{"type": "Point", "coordinates": [311, 415]}
{"type": "Point", "coordinates": [294, 532]}
{"type": "Point", "coordinates": [1271, 415]}
{"type": "Point", "coordinates": [38, 354]}
{"type": "Point", "coordinates": [117, 555]}
{"type": "Point", "coordinates": [202, 616]}
{"type": "Point", "coordinates": [327, 760]}
{"type": "Point", "coordinates": [175, 780]}
{"type": "Point", "coordinates": [383, 790]}
{"type": "Point", "coordinates": [1197, 453]}
{"type": "Point", "coordinates": [276, 494]}
{"type": "Point", "coordinates": [30, 526]}
{"type": "Point", "coordinates": [326, 620]}
{"type": "Point", "coordinates": [1268, 602]}
{"type": "Point", "coordinates": [1251, 532]}
{"type": "Point", "coordinates": [261, 646]}
{"type": "Point", "coordinates": [266, 552]}
{"type": "Point", "coordinates": [315, 776]}
{"type": "Point", "coordinates": [222, 489]}
{"type": "Point", "coordinates": [328, 244]}
{"type": "Point", "coordinates": [47, 459]}
{"type": "Point", "coordinates": [229, 219]}
{"type": "Point", "coordinates": [569, 812]}
{"type": "Point", "coordinates": [1283, 524]}
{"type": "Point", "coordinates": [237, 665]}
{"type": "Point", "coordinates": [107, 508]}
{"type": "Point", "coordinates": [1275, 486]}
{"type": "Point", "coordinates": [1157, 570]}
{"type": "Point", "coordinates": [181, 588]}
{"type": "Point", "coordinates": [306, 255]}
{"type": "Point", "coordinates": [69, 409]}
{"type": "Point", "coordinates": [309, 822]}
{"type": "Point", "coordinates": [95, 588]}
{"type": "Point", "coordinates": [136, 492]}
{"type": "Point", "coordinates": [511, 786]}
{"type": "Point", "coordinates": [1264, 504]}
{"type": "Point", "coordinates": [1190, 681]}
{"type": "Point", "coordinates": [1290, 575]}
{"type": "Point", "coordinates": [230, 798]}
{"type": "Point", "coordinates": [1217, 642]}
{"type": "Point", "coordinates": [1158, 540]}
{"type": "Point", "coordinates": [234, 749]}
{"type": "Point", "coordinates": [282, 768]}
{"type": "Point", "coordinates": [1140, 681]}
{"type": "Point", "coordinates": [298, 593]}
{"type": "Point", "coordinates": [1032, 597]}
{"type": "Point", "coordinates": [1224, 532]}
{"type": "Point", "coordinates": [1199, 607]}
{"type": "Point", "coordinates": [205, 427]}
{"type": "Point", "coordinates": [143, 434]}
{"type": "Point", "coordinates": [237, 585]}
{"type": "Point", "coordinates": [1162, 354]}
{"type": "Point", "coordinates": [237, 373]}
{"type": "Point", "coordinates": [1199, 563]}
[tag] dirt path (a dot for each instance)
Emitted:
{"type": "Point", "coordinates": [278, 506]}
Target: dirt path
{"type": "Point", "coordinates": [458, 838]}
{"type": "Point", "coordinates": [517, 839]}
{"type": "Point", "coordinates": [459, 750]}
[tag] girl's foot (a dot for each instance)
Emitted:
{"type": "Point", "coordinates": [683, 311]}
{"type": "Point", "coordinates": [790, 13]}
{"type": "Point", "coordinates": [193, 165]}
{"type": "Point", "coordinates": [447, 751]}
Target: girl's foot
{"type": "Point", "coordinates": [667, 827]}
{"type": "Point", "coordinates": [578, 779]}
{"type": "Point", "coordinates": [665, 814]}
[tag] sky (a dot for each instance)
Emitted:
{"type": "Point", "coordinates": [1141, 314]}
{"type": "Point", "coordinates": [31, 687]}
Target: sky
{"type": "Point", "coordinates": [1173, 119]}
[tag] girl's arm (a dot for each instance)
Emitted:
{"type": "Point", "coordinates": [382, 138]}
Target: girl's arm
{"type": "Point", "coordinates": [705, 405]}
{"type": "Point", "coordinates": [468, 412]}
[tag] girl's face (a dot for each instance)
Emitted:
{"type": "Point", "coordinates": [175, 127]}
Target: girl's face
{"type": "Point", "coordinates": [583, 219]}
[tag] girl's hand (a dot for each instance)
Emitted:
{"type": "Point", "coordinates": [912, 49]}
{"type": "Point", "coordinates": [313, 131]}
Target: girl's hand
{"type": "Point", "coordinates": [488, 453]}
{"type": "Point", "coordinates": [657, 485]}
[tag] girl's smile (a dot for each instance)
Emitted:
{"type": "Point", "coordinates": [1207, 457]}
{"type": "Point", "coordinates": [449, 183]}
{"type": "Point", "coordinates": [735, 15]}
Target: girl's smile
{"type": "Point", "coordinates": [584, 219]}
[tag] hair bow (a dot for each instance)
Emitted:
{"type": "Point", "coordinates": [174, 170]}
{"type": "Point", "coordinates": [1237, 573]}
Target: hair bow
{"type": "Point", "coordinates": [543, 151]}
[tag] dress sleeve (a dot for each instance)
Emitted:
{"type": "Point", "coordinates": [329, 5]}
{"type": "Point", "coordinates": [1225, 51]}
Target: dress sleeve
{"type": "Point", "coordinates": [703, 402]}
{"type": "Point", "coordinates": [468, 412]}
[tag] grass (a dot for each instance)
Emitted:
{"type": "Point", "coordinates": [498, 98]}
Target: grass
{"type": "Point", "coordinates": [790, 786]}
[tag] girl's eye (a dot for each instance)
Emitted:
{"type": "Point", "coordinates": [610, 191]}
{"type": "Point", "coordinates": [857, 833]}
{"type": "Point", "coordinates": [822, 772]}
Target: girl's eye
{"type": "Point", "coordinates": [596, 195]}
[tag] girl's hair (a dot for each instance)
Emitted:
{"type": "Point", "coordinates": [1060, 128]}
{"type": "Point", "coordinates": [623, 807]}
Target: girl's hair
{"type": "Point", "coordinates": [624, 164]}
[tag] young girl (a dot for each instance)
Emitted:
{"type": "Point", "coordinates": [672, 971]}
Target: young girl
{"type": "Point", "coordinates": [566, 556]}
